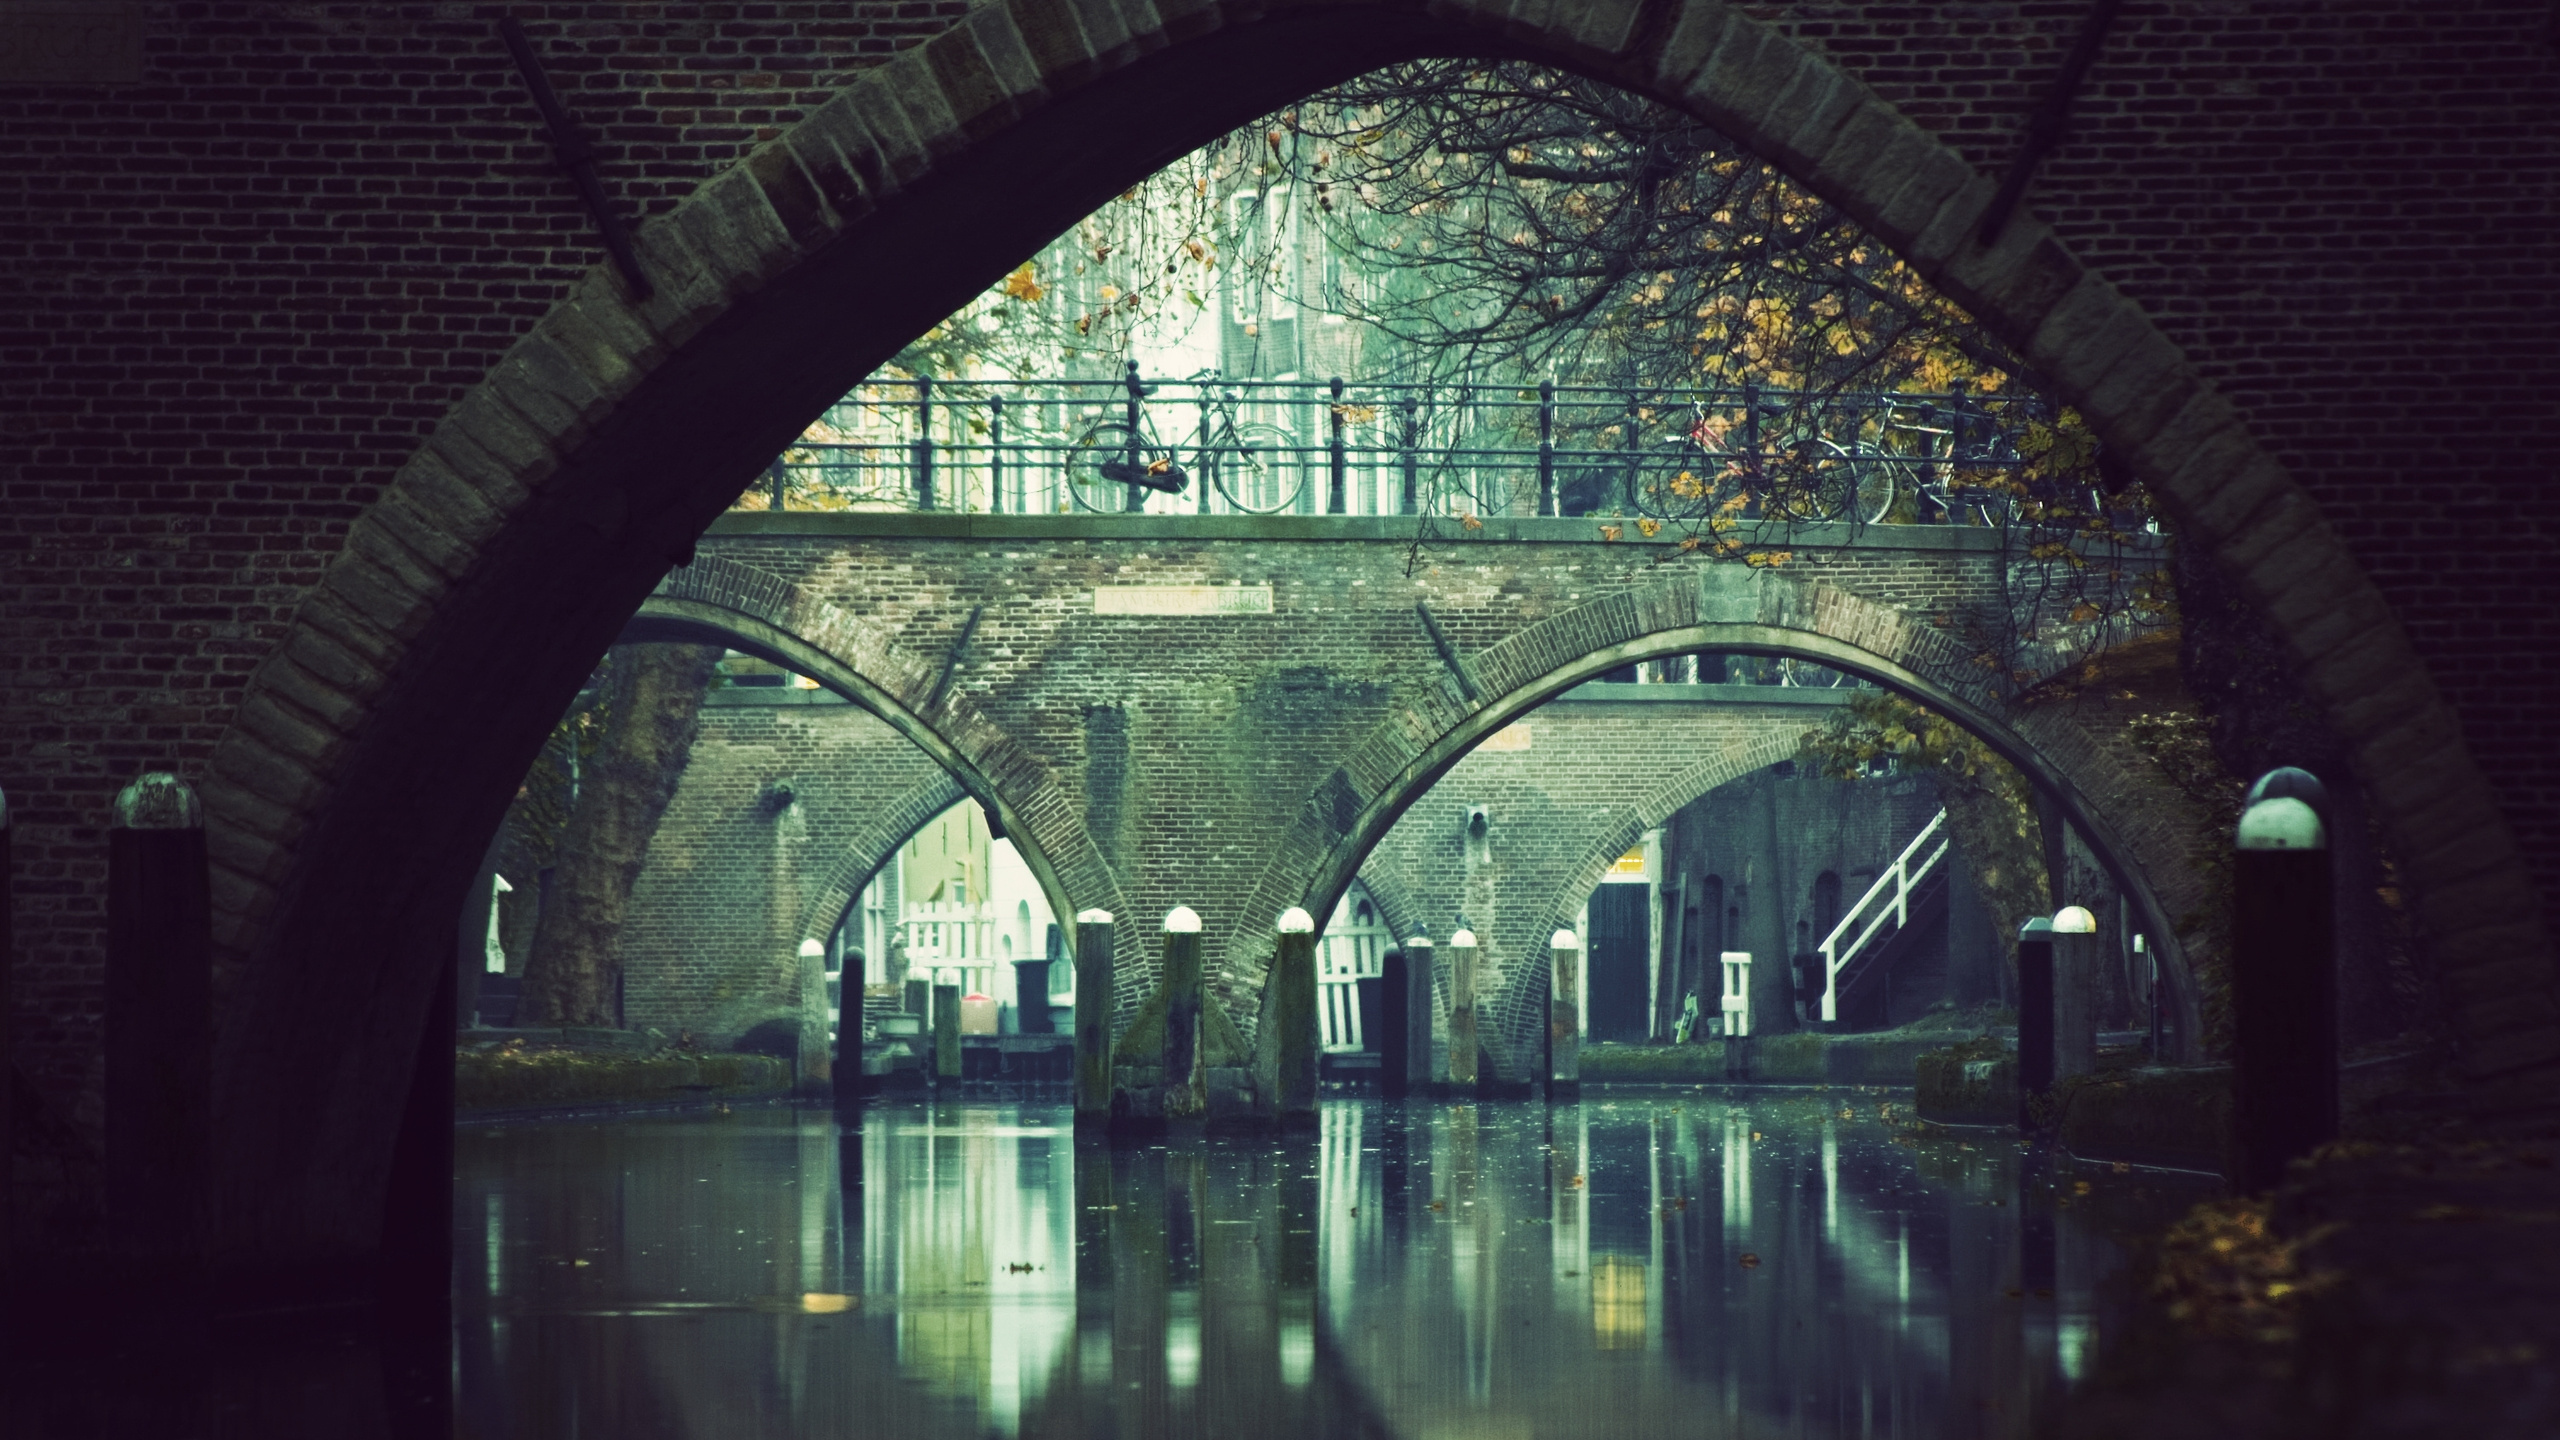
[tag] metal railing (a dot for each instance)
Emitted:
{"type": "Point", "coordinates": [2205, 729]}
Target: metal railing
{"type": "Point", "coordinates": [1207, 444]}
{"type": "Point", "coordinates": [1889, 899]}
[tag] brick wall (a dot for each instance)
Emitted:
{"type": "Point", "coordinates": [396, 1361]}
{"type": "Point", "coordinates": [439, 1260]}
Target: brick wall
{"type": "Point", "coordinates": [236, 294]}
{"type": "Point", "coordinates": [1596, 774]}
{"type": "Point", "coordinates": [1241, 744]}
{"type": "Point", "coordinates": [737, 878]}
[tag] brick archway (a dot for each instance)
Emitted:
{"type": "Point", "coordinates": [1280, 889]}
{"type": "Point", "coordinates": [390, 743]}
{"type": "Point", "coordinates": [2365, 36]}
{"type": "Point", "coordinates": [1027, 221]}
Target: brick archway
{"type": "Point", "coordinates": [764, 615]}
{"type": "Point", "coordinates": [345, 802]}
{"type": "Point", "coordinates": [1512, 1013]}
{"type": "Point", "coordinates": [878, 843]}
{"type": "Point", "coordinates": [1731, 609]}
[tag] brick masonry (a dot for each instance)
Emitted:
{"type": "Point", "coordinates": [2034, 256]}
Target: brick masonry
{"type": "Point", "coordinates": [737, 877]}
{"type": "Point", "coordinates": [1241, 764]}
{"type": "Point", "coordinates": [1596, 776]}
{"type": "Point", "coordinates": [313, 398]}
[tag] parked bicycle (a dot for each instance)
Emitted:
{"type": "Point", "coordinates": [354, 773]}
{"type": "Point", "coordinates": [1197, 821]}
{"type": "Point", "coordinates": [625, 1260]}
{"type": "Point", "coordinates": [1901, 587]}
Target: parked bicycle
{"type": "Point", "coordinates": [1932, 465]}
{"type": "Point", "coordinates": [1770, 463]}
{"type": "Point", "coordinates": [1257, 467]}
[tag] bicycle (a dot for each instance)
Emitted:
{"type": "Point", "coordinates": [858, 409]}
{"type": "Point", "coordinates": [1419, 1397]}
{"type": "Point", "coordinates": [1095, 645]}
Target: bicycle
{"type": "Point", "coordinates": [1255, 466]}
{"type": "Point", "coordinates": [1772, 465]}
{"type": "Point", "coordinates": [1936, 460]}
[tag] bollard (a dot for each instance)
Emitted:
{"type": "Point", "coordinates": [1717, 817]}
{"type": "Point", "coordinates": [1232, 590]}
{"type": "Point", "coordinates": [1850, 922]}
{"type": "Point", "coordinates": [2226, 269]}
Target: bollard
{"type": "Point", "coordinates": [813, 1059]}
{"type": "Point", "coordinates": [1293, 1010]}
{"type": "Point", "coordinates": [844, 1050]}
{"type": "Point", "coordinates": [2075, 993]}
{"type": "Point", "coordinates": [1093, 1018]}
{"type": "Point", "coordinates": [2284, 979]}
{"type": "Point", "coordinates": [1564, 1017]}
{"type": "Point", "coordinates": [2035, 1016]}
{"type": "Point", "coordinates": [1416, 1030]}
{"type": "Point", "coordinates": [1186, 1068]}
{"type": "Point", "coordinates": [946, 1031]}
{"type": "Point", "coordinates": [1462, 1011]}
{"type": "Point", "coordinates": [8, 1099]}
{"type": "Point", "coordinates": [1031, 998]}
{"type": "Point", "coordinates": [159, 1030]}
{"type": "Point", "coordinates": [1395, 1026]}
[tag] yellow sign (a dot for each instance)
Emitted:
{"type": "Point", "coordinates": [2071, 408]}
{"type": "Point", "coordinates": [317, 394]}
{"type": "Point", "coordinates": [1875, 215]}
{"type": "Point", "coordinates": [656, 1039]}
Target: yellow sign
{"type": "Point", "coordinates": [1631, 863]}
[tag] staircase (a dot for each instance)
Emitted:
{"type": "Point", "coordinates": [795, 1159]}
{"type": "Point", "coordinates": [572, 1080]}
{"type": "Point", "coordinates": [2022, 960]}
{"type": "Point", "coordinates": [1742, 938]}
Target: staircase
{"type": "Point", "coordinates": [1876, 933]}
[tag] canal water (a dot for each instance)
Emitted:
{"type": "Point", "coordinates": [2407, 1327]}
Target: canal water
{"type": "Point", "coordinates": [1777, 1263]}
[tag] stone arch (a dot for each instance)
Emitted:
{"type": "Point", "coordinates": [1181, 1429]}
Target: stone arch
{"type": "Point", "coordinates": [872, 849]}
{"type": "Point", "coordinates": [1729, 608]}
{"type": "Point", "coordinates": [610, 434]}
{"type": "Point", "coordinates": [1512, 1021]}
{"type": "Point", "coordinates": [761, 613]}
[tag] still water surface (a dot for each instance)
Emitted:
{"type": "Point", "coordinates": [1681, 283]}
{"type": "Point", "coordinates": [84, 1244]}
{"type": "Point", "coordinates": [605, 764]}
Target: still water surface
{"type": "Point", "coordinates": [1780, 1263]}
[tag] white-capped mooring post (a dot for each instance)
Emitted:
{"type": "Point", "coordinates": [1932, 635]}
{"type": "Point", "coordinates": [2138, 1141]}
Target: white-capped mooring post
{"type": "Point", "coordinates": [813, 1062]}
{"type": "Point", "coordinates": [2075, 992]}
{"type": "Point", "coordinates": [2284, 977]}
{"type": "Point", "coordinates": [1564, 1016]}
{"type": "Point", "coordinates": [1093, 1019]}
{"type": "Point", "coordinates": [2035, 1015]}
{"type": "Point", "coordinates": [1462, 1011]}
{"type": "Point", "coordinates": [8, 1133]}
{"type": "Point", "coordinates": [1186, 1062]}
{"type": "Point", "coordinates": [159, 1024]}
{"type": "Point", "coordinates": [1292, 1011]}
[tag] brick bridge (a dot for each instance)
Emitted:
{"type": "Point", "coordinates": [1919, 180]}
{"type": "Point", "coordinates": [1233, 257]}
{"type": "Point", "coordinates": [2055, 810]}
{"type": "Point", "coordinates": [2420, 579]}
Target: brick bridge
{"type": "Point", "coordinates": [733, 885]}
{"type": "Point", "coordinates": [302, 465]}
{"type": "Point", "coordinates": [1230, 713]}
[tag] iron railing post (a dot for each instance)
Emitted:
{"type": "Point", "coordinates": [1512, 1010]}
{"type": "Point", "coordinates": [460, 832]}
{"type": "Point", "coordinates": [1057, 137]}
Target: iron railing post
{"type": "Point", "coordinates": [924, 442]}
{"type": "Point", "coordinates": [1137, 496]}
{"type": "Point", "coordinates": [1547, 448]}
{"type": "Point", "coordinates": [1635, 451]}
{"type": "Point", "coordinates": [1338, 495]}
{"type": "Point", "coordinates": [781, 485]}
{"type": "Point", "coordinates": [995, 453]}
{"type": "Point", "coordinates": [1750, 433]}
{"type": "Point", "coordinates": [1412, 437]}
{"type": "Point", "coordinates": [1208, 461]}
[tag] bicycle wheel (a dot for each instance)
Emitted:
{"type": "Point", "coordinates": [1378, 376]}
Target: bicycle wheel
{"type": "Point", "coordinates": [1095, 464]}
{"type": "Point", "coordinates": [1820, 479]}
{"type": "Point", "coordinates": [1258, 468]}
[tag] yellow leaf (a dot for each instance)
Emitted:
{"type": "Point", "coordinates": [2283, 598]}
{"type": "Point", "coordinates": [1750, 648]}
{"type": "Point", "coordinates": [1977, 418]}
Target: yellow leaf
{"type": "Point", "coordinates": [1024, 284]}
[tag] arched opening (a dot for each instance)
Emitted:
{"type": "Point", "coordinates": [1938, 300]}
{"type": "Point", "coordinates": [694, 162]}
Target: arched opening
{"type": "Point", "coordinates": [670, 407]}
{"type": "Point", "coordinates": [1653, 1000]}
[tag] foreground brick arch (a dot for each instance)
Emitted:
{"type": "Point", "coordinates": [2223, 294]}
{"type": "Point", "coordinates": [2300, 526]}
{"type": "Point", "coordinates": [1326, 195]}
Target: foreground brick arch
{"type": "Point", "coordinates": [611, 433]}
{"type": "Point", "coordinates": [1735, 609]}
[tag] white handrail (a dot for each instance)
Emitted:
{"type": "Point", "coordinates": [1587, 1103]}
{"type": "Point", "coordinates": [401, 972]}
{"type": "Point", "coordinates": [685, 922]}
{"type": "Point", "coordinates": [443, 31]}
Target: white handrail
{"type": "Point", "coordinates": [1898, 878]}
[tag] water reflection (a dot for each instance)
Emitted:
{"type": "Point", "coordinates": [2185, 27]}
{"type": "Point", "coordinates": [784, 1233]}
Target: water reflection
{"type": "Point", "coordinates": [1633, 1268]}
